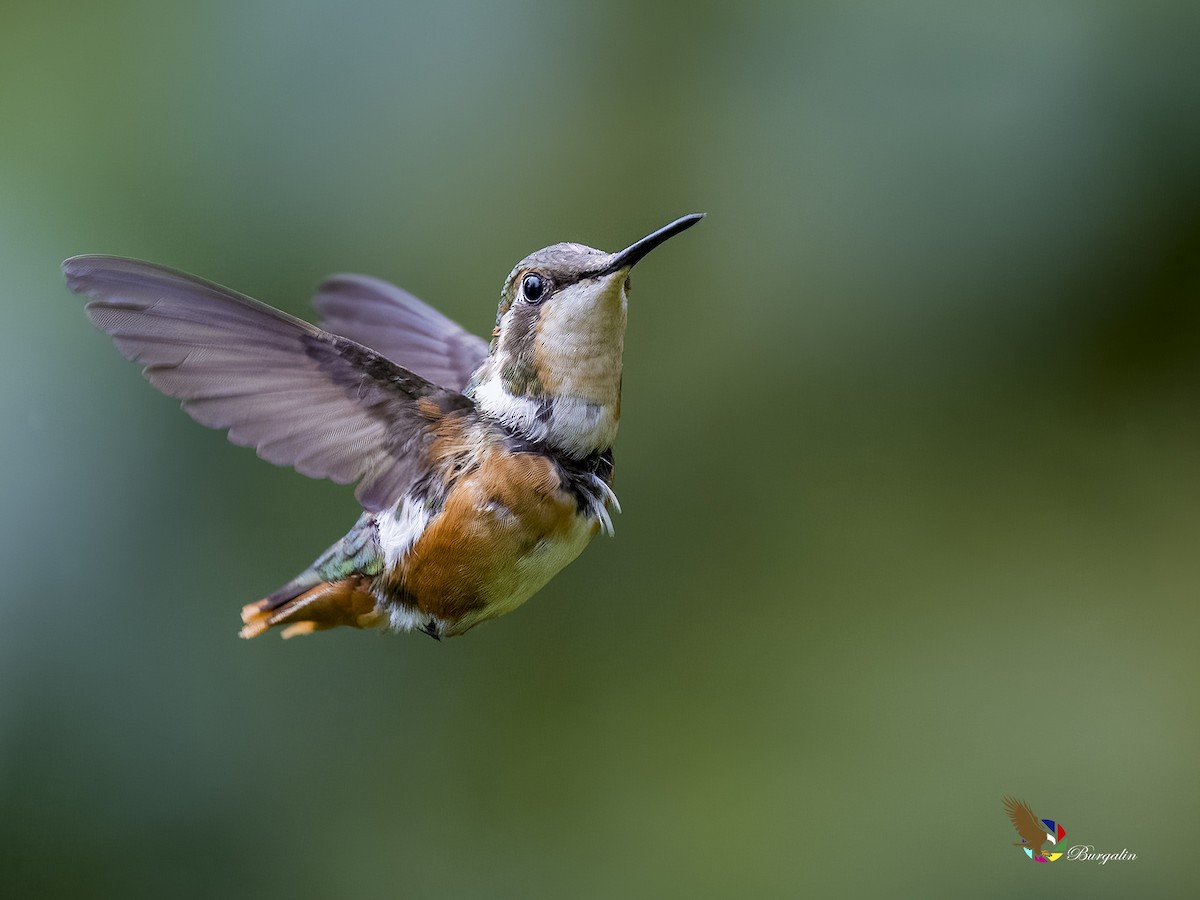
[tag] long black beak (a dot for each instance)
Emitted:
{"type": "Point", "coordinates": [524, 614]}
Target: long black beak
{"type": "Point", "coordinates": [636, 251]}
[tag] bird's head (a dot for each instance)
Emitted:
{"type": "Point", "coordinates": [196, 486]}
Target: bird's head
{"type": "Point", "coordinates": [554, 372]}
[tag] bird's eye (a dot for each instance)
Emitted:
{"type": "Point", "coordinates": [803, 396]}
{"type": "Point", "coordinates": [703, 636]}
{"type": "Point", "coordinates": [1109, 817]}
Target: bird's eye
{"type": "Point", "coordinates": [533, 288]}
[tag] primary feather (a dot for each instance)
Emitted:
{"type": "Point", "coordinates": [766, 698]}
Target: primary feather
{"type": "Point", "coordinates": [302, 397]}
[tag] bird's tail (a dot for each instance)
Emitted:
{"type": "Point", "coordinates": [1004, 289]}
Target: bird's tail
{"type": "Point", "coordinates": [335, 590]}
{"type": "Point", "coordinates": [329, 604]}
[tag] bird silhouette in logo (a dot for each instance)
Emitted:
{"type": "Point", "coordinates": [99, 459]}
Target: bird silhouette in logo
{"type": "Point", "coordinates": [1033, 833]}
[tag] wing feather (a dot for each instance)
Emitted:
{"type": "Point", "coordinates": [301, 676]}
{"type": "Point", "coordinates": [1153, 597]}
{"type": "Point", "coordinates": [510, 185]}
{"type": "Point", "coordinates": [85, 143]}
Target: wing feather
{"type": "Point", "coordinates": [392, 321]}
{"type": "Point", "coordinates": [302, 397]}
{"type": "Point", "coordinates": [1024, 820]}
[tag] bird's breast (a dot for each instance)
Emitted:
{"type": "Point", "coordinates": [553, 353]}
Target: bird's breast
{"type": "Point", "coordinates": [506, 527]}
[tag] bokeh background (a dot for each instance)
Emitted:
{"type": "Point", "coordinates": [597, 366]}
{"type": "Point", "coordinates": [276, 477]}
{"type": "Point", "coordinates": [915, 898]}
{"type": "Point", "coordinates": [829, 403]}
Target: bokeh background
{"type": "Point", "coordinates": [910, 459]}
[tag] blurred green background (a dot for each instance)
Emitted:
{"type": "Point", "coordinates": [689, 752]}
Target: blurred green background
{"type": "Point", "coordinates": [910, 460]}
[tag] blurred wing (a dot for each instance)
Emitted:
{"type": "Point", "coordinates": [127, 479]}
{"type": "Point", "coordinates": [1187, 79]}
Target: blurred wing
{"type": "Point", "coordinates": [398, 325]}
{"type": "Point", "coordinates": [326, 406]}
{"type": "Point", "coordinates": [1023, 819]}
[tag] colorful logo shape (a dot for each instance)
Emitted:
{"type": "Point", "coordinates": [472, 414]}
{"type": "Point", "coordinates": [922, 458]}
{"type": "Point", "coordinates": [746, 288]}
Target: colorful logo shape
{"type": "Point", "coordinates": [1054, 833]}
{"type": "Point", "coordinates": [1035, 833]}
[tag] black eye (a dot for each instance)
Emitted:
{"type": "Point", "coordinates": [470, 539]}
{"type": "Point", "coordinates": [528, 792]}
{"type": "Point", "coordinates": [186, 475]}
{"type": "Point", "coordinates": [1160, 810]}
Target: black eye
{"type": "Point", "coordinates": [533, 287]}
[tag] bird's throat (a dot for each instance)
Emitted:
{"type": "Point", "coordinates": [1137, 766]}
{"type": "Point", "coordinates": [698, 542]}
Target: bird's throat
{"type": "Point", "coordinates": [577, 426]}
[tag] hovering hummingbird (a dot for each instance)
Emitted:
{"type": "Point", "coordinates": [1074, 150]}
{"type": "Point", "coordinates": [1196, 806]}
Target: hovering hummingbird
{"type": "Point", "coordinates": [482, 470]}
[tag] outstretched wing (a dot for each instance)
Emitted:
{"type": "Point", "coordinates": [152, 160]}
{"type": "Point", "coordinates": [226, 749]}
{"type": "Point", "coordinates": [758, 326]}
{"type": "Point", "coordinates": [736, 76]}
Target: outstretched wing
{"type": "Point", "coordinates": [302, 397]}
{"type": "Point", "coordinates": [1023, 819]}
{"type": "Point", "coordinates": [398, 325]}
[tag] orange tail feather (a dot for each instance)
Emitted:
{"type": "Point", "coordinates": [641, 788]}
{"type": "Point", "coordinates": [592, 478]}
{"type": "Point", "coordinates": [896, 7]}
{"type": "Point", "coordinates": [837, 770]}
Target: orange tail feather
{"type": "Point", "coordinates": [328, 605]}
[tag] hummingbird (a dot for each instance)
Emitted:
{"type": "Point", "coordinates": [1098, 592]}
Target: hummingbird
{"type": "Point", "coordinates": [483, 468]}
